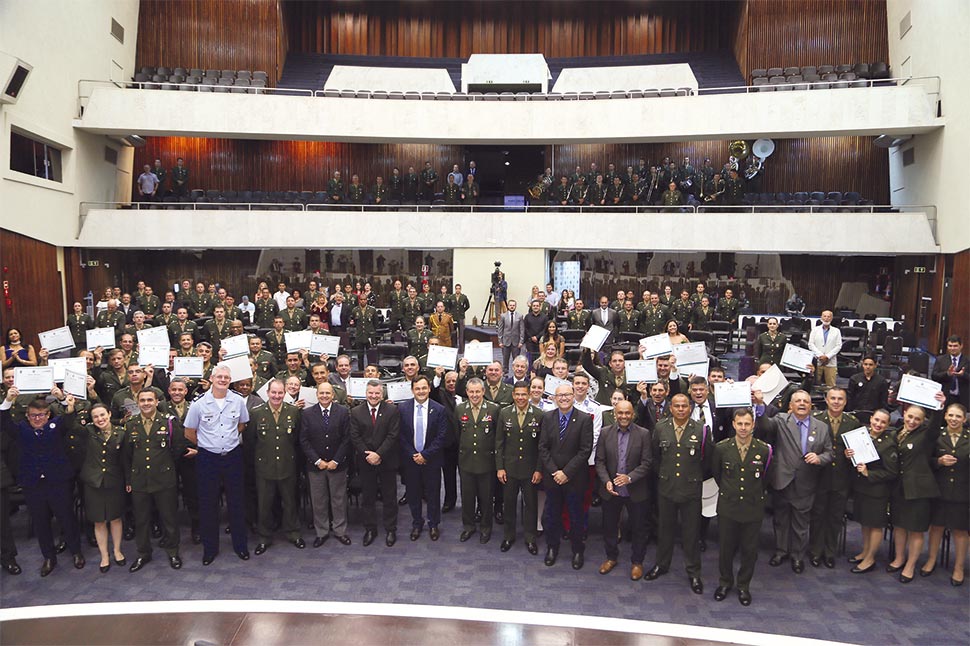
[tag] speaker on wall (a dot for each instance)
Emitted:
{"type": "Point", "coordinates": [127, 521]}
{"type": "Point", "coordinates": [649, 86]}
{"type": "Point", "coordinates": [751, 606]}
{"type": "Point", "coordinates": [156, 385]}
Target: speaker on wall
{"type": "Point", "coordinates": [13, 76]}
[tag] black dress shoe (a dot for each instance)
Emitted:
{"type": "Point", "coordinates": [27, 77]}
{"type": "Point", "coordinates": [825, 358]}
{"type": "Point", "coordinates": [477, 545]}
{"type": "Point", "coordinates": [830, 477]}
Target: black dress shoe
{"type": "Point", "coordinates": [260, 548]}
{"type": "Point", "coordinates": [829, 562]}
{"type": "Point", "coordinates": [79, 561]}
{"type": "Point", "coordinates": [60, 547]}
{"type": "Point", "coordinates": [466, 534]}
{"type": "Point", "coordinates": [860, 570]}
{"type": "Point", "coordinates": [48, 566]}
{"type": "Point", "coordinates": [391, 538]}
{"type": "Point", "coordinates": [853, 560]}
{"type": "Point", "coordinates": [744, 597]}
{"type": "Point", "coordinates": [815, 561]}
{"type": "Point", "coordinates": [904, 579]}
{"type": "Point", "coordinates": [721, 593]}
{"type": "Point", "coordinates": [924, 573]}
{"type": "Point", "coordinates": [299, 543]}
{"type": "Point", "coordinates": [415, 533]}
{"type": "Point", "coordinates": [175, 562]}
{"type": "Point", "coordinates": [122, 562]}
{"type": "Point", "coordinates": [533, 548]}
{"type": "Point", "coordinates": [485, 537]}
{"type": "Point", "coordinates": [448, 506]}
{"type": "Point", "coordinates": [578, 561]}
{"type": "Point", "coordinates": [777, 559]}
{"type": "Point", "coordinates": [344, 540]}
{"type": "Point", "coordinates": [104, 568]}
{"type": "Point", "coordinates": [893, 568]}
{"type": "Point", "coordinates": [139, 563]}
{"type": "Point", "coordinates": [551, 555]}
{"type": "Point", "coordinates": [369, 537]}
{"type": "Point", "coordinates": [654, 572]}
{"type": "Point", "coordinates": [955, 583]}
{"type": "Point", "coordinates": [499, 516]}
{"type": "Point", "coordinates": [696, 585]}
{"type": "Point", "coordinates": [797, 566]}
{"type": "Point", "coordinates": [10, 567]}
{"type": "Point", "coordinates": [505, 546]}
{"type": "Point", "coordinates": [403, 500]}
{"type": "Point", "coordinates": [243, 556]}
{"type": "Point", "coordinates": [207, 560]}
{"type": "Point", "coordinates": [319, 540]}
{"type": "Point", "coordinates": [434, 533]}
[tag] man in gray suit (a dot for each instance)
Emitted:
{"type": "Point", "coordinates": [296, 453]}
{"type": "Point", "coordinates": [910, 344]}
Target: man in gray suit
{"type": "Point", "coordinates": [624, 460]}
{"type": "Point", "coordinates": [607, 317]}
{"type": "Point", "coordinates": [510, 334]}
{"type": "Point", "coordinates": [802, 446]}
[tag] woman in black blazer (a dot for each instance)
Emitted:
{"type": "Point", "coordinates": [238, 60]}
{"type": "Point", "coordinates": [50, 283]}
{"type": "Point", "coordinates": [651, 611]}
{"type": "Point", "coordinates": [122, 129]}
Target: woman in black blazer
{"type": "Point", "coordinates": [916, 487]}
{"type": "Point", "coordinates": [871, 489]}
{"type": "Point", "coordinates": [951, 461]}
{"type": "Point", "coordinates": [104, 482]}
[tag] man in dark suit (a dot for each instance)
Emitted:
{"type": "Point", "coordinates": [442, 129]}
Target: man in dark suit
{"type": "Point", "coordinates": [950, 370]}
{"type": "Point", "coordinates": [652, 406]}
{"type": "Point", "coordinates": [803, 447]}
{"type": "Point", "coordinates": [325, 440]}
{"type": "Point", "coordinates": [681, 449]}
{"type": "Point", "coordinates": [533, 327]}
{"type": "Point", "coordinates": [517, 464]}
{"type": "Point", "coordinates": [423, 433]}
{"type": "Point", "coordinates": [339, 317]}
{"type": "Point", "coordinates": [510, 334]}
{"type": "Point", "coordinates": [45, 474]}
{"type": "Point", "coordinates": [565, 444]}
{"type": "Point", "coordinates": [374, 431]}
{"type": "Point", "coordinates": [624, 459]}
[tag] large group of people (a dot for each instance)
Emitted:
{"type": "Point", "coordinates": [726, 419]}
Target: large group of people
{"type": "Point", "coordinates": [564, 437]}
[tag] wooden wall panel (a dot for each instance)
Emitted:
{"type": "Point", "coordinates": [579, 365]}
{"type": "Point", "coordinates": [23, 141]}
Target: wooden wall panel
{"type": "Point", "coordinates": [556, 29]}
{"type": "Point", "coordinates": [30, 266]}
{"type": "Point", "coordinates": [211, 34]}
{"type": "Point", "coordinates": [818, 279]}
{"type": "Point", "coordinates": [810, 164]}
{"type": "Point", "coordinates": [236, 164]}
{"type": "Point", "coordinates": [959, 311]}
{"type": "Point", "coordinates": [781, 33]}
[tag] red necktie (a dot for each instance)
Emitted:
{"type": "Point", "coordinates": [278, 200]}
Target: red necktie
{"type": "Point", "coordinates": [373, 416]}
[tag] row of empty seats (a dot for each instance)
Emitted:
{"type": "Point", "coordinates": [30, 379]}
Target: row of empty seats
{"type": "Point", "coordinates": [505, 96]}
{"type": "Point", "coordinates": [192, 79]}
{"type": "Point", "coordinates": [879, 70]}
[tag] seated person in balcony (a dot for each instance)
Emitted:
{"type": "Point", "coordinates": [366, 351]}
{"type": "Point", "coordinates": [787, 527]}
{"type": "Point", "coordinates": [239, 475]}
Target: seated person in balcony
{"type": "Point", "coordinates": [429, 179]}
{"type": "Point", "coordinates": [610, 174]}
{"type": "Point", "coordinates": [147, 185]}
{"type": "Point", "coordinates": [456, 175]}
{"type": "Point", "coordinates": [598, 191]}
{"type": "Point", "coordinates": [470, 191]}
{"type": "Point", "coordinates": [561, 194]}
{"type": "Point", "coordinates": [452, 192]}
{"type": "Point", "coordinates": [714, 190]}
{"type": "Point", "coordinates": [355, 192]}
{"type": "Point", "coordinates": [638, 191]}
{"type": "Point", "coordinates": [335, 189]}
{"type": "Point", "coordinates": [180, 178]}
{"type": "Point", "coordinates": [580, 195]}
{"type": "Point", "coordinates": [672, 196]}
{"type": "Point", "coordinates": [381, 192]}
{"type": "Point", "coordinates": [617, 193]}
{"type": "Point", "coordinates": [670, 173]}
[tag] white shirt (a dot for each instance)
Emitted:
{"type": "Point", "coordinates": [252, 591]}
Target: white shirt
{"type": "Point", "coordinates": [335, 314]}
{"type": "Point", "coordinates": [588, 405]}
{"type": "Point", "coordinates": [705, 411]}
{"type": "Point", "coordinates": [420, 410]}
{"type": "Point", "coordinates": [552, 298]}
{"type": "Point", "coordinates": [280, 298]}
{"type": "Point", "coordinates": [605, 315]}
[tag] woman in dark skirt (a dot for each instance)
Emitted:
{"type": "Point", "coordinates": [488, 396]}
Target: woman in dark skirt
{"type": "Point", "coordinates": [915, 488]}
{"type": "Point", "coordinates": [871, 489]}
{"type": "Point", "coordinates": [104, 483]}
{"type": "Point", "coordinates": [951, 461]}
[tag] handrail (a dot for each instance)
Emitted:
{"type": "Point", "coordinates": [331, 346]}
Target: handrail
{"type": "Point", "coordinates": [888, 82]}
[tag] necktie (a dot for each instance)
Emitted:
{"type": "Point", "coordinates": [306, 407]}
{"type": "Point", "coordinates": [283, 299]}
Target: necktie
{"type": "Point", "coordinates": [679, 433]}
{"type": "Point", "coordinates": [563, 420]}
{"type": "Point", "coordinates": [326, 418]}
{"type": "Point", "coordinates": [743, 450]}
{"type": "Point", "coordinates": [954, 383]}
{"type": "Point", "coordinates": [373, 416]}
{"type": "Point", "coordinates": [954, 438]}
{"type": "Point", "coordinates": [419, 429]}
{"type": "Point", "coordinates": [803, 427]}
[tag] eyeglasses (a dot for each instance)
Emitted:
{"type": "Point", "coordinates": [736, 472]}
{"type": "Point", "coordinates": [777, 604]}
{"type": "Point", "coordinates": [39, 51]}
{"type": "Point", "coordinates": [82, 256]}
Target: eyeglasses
{"type": "Point", "coordinates": [38, 415]}
{"type": "Point", "coordinates": [563, 395]}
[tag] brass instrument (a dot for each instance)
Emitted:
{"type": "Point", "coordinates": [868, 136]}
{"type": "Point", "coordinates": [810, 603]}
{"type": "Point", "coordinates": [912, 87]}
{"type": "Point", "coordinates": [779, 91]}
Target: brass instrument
{"type": "Point", "coordinates": [739, 149]}
{"type": "Point", "coordinates": [535, 191]}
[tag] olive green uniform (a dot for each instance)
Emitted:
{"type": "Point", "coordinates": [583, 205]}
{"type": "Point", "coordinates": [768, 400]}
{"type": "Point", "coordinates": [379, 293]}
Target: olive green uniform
{"type": "Point", "coordinates": [276, 467]}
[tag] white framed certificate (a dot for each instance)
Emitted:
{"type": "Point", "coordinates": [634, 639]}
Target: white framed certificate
{"type": "Point", "coordinates": [324, 344]}
{"type": "Point", "coordinates": [33, 379]}
{"type": "Point", "coordinates": [76, 383]}
{"type": "Point", "coordinates": [553, 382]}
{"type": "Point", "coordinates": [239, 368]}
{"type": "Point", "coordinates": [797, 358]}
{"type": "Point", "coordinates": [595, 338]}
{"type": "Point", "coordinates": [732, 395]}
{"type": "Point", "coordinates": [190, 367]}
{"type": "Point", "coordinates": [153, 336]}
{"type": "Point", "coordinates": [308, 395]}
{"type": "Point", "coordinates": [657, 345]}
{"type": "Point", "coordinates": [479, 354]}
{"type": "Point", "coordinates": [57, 339]}
{"type": "Point", "coordinates": [263, 392]}
{"type": "Point", "coordinates": [441, 357]}
{"type": "Point", "coordinates": [153, 355]}
{"type": "Point", "coordinates": [645, 370]}
{"type": "Point", "coordinates": [696, 369]}
{"type": "Point", "coordinates": [690, 353]}
{"type": "Point", "coordinates": [235, 346]}
{"type": "Point", "coordinates": [357, 387]}
{"type": "Point", "coordinates": [77, 364]}
{"type": "Point", "coordinates": [398, 391]}
{"type": "Point", "coordinates": [860, 442]}
{"type": "Point", "coordinates": [919, 391]}
{"type": "Point", "coordinates": [103, 337]}
{"type": "Point", "coordinates": [771, 383]}
{"type": "Point", "coordinates": [296, 341]}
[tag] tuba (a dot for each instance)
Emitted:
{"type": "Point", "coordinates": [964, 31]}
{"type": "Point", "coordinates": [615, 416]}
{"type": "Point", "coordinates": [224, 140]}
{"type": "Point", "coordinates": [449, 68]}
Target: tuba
{"type": "Point", "coordinates": [536, 190]}
{"type": "Point", "coordinates": [739, 149]}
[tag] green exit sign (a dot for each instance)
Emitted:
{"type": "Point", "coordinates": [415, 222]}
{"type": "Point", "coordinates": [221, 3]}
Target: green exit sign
{"type": "Point", "coordinates": [919, 270]}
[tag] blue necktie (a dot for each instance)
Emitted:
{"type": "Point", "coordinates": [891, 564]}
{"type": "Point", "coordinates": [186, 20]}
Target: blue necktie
{"type": "Point", "coordinates": [326, 418]}
{"type": "Point", "coordinates": [955, 383]}
{"type": "Point", "coordinates": [563, 420]}
{"type": "Point", "coordinates": [419, 430]}
{"type": "Point", "coordinates": [803, 427]}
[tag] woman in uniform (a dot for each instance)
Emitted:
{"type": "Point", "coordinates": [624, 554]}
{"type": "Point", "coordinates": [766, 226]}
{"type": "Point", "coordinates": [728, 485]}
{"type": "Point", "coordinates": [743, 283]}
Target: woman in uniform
{"type": "Point", "coordinates": [702, 315]}
{"type": "Point", "coordinates": [770, 345]}
{"type": "Point", "coordinates": [79, 323]}
{"type": "Point", "coordinates": [104, 483]}
{"type": "Point", "coordinates": [872, 487]}
{"type": "Point", "coordinates": [951, 461]}
{"type": "Point", "coordinates": [915, 488]}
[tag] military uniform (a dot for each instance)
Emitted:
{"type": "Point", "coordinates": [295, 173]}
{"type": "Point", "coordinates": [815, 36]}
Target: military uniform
{"type": "Point", "coordinates": [653, 320]}
{"type": "Point", "coordinates": [701, 317]}
{"type": "Point", "coordinates": [681, 312]}
{"type": "Point", "coordinates": [275, 344]}
{"type": "Point", "coordinates": [476, 462]}
{"type": "Point", "coordinates": [870, 494]}
{"type": "Point", "coordinates": [412, 184]}
{"type": "Point", "coordinates": [79, 325]}
{"type": "Point", "coordinates": [396, 188]}
{"type": "Point", "coordinates": [428, 179]}
{"type": "Point", "coordinates": [395, 301]}
{"type": "Point", "coordinates": [442, 326]}
{"type": "Point", "coordinates": [150, 305]}
{"type": "Point", "coordinates": [276, 453]}
{"type": "Point", "coordinates": [380, 194]}
{"type": "Point", "coordinates": [727, 309]}
{"type": "Point", "coordinates": [681, 467]}
{"type": "Point", "coordinates": [734, 191]}
{"type": "Point", "coordinates": [150, 450]}
{"type": "Point", "coordinates": [832, 491]}
{"type": "Point", "coordinates": [598, 194]}
{"type": "Point", "coordinates": [461, 307]}
{"type": "Point", "coordinates": [114, 319]}
{"type": "Point", "coordinates": [177, 328]}
{"type": "Point", "coordinates": [500, 394]}
{"type": "Point", "coordinates": [335, 190]}
{"type": "Point", "coordinates": [451, 194]}
{"type": "Point", "coordinates": [266, 311]}
{"type": "Point", "coordinates": [418, 341]}
{"type": "Point", "coordinates": [102, 473]}
{"type": "Point", "coordinates": [199, 305]}
{"type": "Point", "coordinates": [740, 505]}
{"type": "Point", "coordinates": [355, 194]}
{"type": "Point", "coordinates": [410, 310]}
{"type": "Point", "coordinates": [180, 181]}
{"type": "Point", "coordinates": [364, 321]}
{"type": "Point", "coordinates": [951, 509]}
{"type": "Point", "coordinates": [769, 350]}
{"type": "Point", "coordinates": [109, 383]}
{"type": "Point", "coordinates": [517, 453]}
{"type": "Point", "coordinates": [294, 319]}
{"type": "Point", "coordinates": [470, 193]}
{"type": "Point", "coordinates": [214, 333]}
{"type": "Point", "coordinates": [608, 381]}
{"type": "Point", "coordinates": [578, 320]}
{"type": "Point", "coordinates": [628, 321]}
{"type": "Point", "coordinates": [124, 402]}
